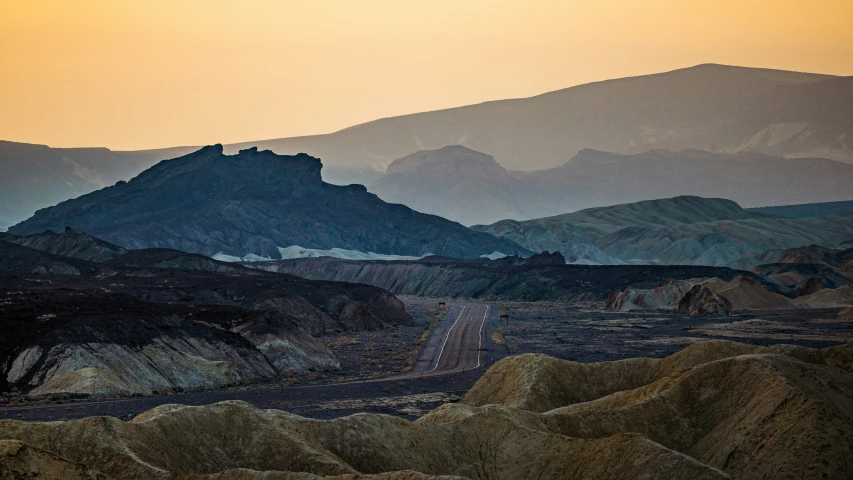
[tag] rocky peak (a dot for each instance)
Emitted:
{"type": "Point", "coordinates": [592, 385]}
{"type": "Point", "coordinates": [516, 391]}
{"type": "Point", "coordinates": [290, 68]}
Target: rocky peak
{"type": "Point", "coordinates": [255, 203]}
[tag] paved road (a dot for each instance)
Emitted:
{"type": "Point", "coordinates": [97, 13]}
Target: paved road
{"type": "Point", "coordinates": [458, 347]}
{"type": "Point", "coordinates": [463, 343]}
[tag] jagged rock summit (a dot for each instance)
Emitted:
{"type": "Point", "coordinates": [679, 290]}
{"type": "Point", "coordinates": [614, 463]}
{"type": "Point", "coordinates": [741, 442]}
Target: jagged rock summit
{"type": "Point", "coordinates": [251, 205]}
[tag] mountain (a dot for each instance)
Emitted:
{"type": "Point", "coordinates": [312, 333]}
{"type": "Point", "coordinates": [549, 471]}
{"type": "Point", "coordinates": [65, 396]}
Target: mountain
{"type": "Point", "coordinates": [252, 204]}
{"type": "Point", "coordinates": [679, 230]}
{"type": "Point", "coordinates": [471, 187]}
{"type": "Point", "coordinates": [454, 182]}
{"type": "Point", "coordinates": [717, 108]}
{"type": "Point", "coordinates": [808, 209]}
{"type": "Point", "coordinates": [36, 176]}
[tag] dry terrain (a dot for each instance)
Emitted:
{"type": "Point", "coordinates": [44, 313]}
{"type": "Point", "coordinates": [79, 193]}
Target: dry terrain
{"type": "Point", "coordinates": [588, 333]}
{"type": "Point", "coordinates": [713, 410]}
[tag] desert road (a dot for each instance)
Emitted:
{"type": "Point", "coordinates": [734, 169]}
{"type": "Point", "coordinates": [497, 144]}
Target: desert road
{"type": "Point", "coordinates": [463, 342]}
{"type": "Point", "coordinates": [455, 346]}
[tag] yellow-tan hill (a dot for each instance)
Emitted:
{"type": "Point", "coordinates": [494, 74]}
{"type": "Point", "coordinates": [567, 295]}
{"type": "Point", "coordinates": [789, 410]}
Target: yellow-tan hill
{"type": "Point", "coordinates": [176, 441]}
{"type": "Point", "coordinates": [752, 412]}
{"type": "Point", "coordinates": [714, 410]}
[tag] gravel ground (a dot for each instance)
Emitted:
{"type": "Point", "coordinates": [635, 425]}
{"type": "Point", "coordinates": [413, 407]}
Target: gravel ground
{"type": "Point", "coordinates": [587, 333]}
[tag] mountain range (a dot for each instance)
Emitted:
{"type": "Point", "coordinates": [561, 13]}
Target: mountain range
{"type": "Point", "coordinates": [254, 205]}
{"type": "Point", "coordinates": [679, 230]}
{"type": "Point", "coordinates": [472, 187]}
{"type": "Point", "coordinates": [715, 108]}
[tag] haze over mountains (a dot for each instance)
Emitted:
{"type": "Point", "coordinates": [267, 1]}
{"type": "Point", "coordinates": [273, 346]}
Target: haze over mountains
{"type": "Point", "coordinates": [471, 187]}
{"type": "Point", "coordinates": [714, 108]}
{"type": "Point", "coordinates": [37, 176]}
{"type": "Point", "coordinates": [252, 205]}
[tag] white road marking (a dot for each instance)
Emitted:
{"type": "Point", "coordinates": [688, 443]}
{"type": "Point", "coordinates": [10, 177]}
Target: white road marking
{"type": "Point", "coordinates": [446, 337]}
{"type": "Point", "coordinates": [480, 339]}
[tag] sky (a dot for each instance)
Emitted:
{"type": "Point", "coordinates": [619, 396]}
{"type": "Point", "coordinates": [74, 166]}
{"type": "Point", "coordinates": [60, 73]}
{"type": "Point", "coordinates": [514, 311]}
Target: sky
{"type": "Point", "coordinates": [133, 75]}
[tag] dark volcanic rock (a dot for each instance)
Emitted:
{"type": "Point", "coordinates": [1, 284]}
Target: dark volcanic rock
{"type": "Point", "coordinates": [254, 203]}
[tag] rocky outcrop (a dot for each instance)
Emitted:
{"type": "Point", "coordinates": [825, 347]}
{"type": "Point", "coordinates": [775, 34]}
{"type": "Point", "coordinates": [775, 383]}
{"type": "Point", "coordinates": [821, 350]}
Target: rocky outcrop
{"type": "Point", "coordinates": [746, 293]}
{"type": "Point", "coordinates": [700, 300]}
{"type": "Point", "coordinates": [714, 410]}
{"type": "Point", "coordinates": [665, 296]}
{"type": "Point", "coordinates": [252, 204]}
{"type": "Point", "coordinates": [701, 296]}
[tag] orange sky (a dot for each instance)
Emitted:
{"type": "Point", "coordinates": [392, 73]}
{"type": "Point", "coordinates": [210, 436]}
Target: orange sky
{"type": "Point", "coordinates": [142, 74]}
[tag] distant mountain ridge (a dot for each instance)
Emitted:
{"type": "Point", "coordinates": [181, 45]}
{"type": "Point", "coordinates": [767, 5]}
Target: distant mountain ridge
{"type": "Point", "coordinates": [36, 176]}
{"type": "Point", "coordinates": [715, 108]}
{"type": "Point", "coordinates": [679, 230]}
{"type": "Point", "coordinates": [255, 203]}
{"type": "Point", "coordinates": [807, 209]}
{"type": "Point", "coordinates": [471, 187]}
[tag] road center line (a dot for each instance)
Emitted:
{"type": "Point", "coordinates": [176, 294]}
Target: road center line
{"type": "Point", "coordinates": [446, 337]}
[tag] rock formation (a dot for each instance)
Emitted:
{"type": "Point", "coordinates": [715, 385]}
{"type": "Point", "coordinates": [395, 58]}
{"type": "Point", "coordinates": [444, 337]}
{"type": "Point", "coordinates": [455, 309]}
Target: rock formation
{"type": "Point", "coordinates": [252, 204]}
{"type": "Point", "coordinates": [700, 300]}
{"type": "Point", "coordinates": [665, 296]}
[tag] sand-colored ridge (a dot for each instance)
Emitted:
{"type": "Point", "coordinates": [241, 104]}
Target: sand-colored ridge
{"type": "Point", "coordinates": [716, 409]}
{"type": "Point", "coordinates": [179, 441]}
